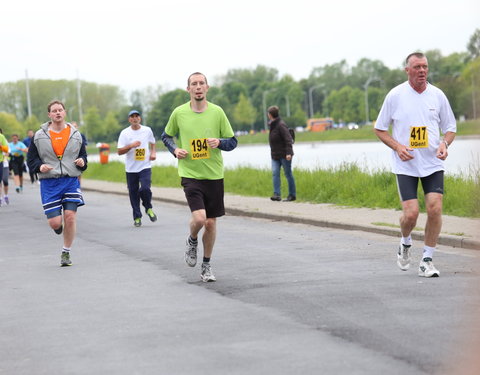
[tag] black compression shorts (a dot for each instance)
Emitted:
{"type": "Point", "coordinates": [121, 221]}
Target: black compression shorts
{"type": "Point", "coordinates": [407, 185]}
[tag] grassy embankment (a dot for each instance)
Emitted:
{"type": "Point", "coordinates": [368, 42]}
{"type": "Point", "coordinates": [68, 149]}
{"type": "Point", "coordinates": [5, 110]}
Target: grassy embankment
{"type": "Point", "coordinates": [345, 185]}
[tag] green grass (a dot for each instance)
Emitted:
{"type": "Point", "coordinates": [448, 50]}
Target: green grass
{"type": "Point", "coordinates": [346, 185]}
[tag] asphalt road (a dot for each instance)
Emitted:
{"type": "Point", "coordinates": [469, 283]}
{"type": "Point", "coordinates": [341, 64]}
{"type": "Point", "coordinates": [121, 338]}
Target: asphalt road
{"type": "Point", "coordinates": [290, 299]}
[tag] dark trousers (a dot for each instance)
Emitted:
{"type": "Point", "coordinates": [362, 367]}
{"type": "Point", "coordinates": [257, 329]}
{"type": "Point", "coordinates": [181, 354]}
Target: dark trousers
{"type": "Point", "coordinates": [139, 189]}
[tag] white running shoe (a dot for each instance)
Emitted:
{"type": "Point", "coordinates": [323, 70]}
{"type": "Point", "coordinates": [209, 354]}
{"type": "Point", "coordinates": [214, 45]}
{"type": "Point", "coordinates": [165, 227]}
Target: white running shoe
{"type": "Point", "coordinates": [207, 275]}
{"type": "Point", "coordinates": [403, 257]}
{"type": "Point", "coordinates": [427, 269]}
{"type": "Point", "coordinates": [191, 254]}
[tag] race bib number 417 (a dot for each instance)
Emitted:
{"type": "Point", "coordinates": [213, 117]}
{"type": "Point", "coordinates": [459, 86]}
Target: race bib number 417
{"type": "Point", "coordinates": [199, 149]}
{"type": "Point", "coordinates": [418, 137]}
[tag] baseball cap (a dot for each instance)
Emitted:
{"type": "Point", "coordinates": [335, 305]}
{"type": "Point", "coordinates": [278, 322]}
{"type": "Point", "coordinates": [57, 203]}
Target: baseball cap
{"type": "Point", "coordinates": [133, 112]}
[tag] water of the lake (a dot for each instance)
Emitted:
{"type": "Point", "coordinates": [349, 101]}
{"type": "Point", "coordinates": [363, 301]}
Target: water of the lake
{"type": "Point", "coordinates": [463, 158]}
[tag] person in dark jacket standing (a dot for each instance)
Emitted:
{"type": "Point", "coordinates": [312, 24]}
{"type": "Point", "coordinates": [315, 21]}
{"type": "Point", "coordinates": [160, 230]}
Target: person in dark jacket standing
{"type": "Point", "coordinates": [282, 152]}
{"type": "Point", "coordinates": [57, 153]}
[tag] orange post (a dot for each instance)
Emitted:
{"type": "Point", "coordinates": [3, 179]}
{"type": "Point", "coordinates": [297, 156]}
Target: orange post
{"type": "Point", "coordinates": [104, 151]}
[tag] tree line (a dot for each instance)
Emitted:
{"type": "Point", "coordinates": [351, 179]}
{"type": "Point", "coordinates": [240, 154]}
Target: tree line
{"type": "Point", "coordinates": [345, 93]}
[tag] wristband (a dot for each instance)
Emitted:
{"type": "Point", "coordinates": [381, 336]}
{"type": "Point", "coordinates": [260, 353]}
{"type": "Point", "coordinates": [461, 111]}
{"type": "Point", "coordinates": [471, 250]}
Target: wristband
{"type": "Point", "coordinates": [446, 143]}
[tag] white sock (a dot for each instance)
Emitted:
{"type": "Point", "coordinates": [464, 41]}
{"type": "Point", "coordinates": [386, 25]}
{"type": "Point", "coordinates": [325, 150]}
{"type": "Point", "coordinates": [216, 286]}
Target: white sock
{"type": "Point", "coordinates": [428, 252]}
{"type": "Point", "coordinates": [66, 249]}
{"type": "Point", "coordinates": [406, 241]}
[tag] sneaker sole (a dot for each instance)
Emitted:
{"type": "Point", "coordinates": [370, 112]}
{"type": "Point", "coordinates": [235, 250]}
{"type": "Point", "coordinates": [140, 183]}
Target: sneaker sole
{"type": "Point", "coordinates": [421, 274]}
{"type": "Point", "coordinates": [66, 265]}
{"type": "Point", "coordinates": [208, 279]}
{"type": "Point", "coordinates": [403, 268]}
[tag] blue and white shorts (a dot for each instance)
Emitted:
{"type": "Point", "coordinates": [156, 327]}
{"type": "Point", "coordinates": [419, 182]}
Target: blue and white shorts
{"type": "Point", "coordinates": [59, 192]}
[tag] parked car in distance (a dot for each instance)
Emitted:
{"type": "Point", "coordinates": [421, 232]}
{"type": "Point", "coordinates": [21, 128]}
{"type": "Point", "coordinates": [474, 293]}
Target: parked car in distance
{"type": "Point", "coordinates": [352, 126]}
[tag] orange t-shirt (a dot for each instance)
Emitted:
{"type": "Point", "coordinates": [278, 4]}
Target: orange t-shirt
{"type": "Point", "coordinates": [59, 141]}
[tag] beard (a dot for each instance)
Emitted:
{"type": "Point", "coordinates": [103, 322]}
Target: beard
{"type": "Point", "coordinates": [199, 98]}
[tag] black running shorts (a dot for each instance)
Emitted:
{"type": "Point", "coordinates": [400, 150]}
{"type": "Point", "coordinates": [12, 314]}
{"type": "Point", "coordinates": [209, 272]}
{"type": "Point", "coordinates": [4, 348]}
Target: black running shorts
{"type": "Point", "coordinates": [204, 195]}
{"type": "Point", "coordinates": [407, 185]}
{"type": "Point", "coordinates": [16, 164]}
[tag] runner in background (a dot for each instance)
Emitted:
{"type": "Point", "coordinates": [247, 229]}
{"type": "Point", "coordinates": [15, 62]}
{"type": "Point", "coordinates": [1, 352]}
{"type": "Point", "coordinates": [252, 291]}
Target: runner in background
{"type": "Point", "coordinates": [137, 143]}
{"type": "Point", "coordinates": [17, 161]}
{"type": "Point", "coordinates": [4, 150]}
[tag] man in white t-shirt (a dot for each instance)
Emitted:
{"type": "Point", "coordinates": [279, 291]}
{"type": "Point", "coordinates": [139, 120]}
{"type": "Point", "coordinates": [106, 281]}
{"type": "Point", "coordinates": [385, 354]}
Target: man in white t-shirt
{"type": "Point", "coordinates": [138, 143]}
{"type": "Point", "coordinates": [417, 112]}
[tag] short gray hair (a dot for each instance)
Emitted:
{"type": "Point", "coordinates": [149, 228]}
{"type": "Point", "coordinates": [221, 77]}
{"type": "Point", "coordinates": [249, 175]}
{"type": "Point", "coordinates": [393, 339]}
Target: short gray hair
{"type": "Point", "coordinates": [419, 55]}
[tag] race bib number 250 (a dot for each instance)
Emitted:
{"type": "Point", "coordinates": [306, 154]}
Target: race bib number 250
{"type": "Point", "coordinates": [418, 137]}
{"type": "Point", "coordinates": [199, 149]}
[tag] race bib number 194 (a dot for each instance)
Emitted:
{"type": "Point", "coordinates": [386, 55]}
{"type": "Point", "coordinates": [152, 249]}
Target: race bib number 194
{"type": "Point", "coordinates": [418, 137]}
{"type": "Point", "coordinates": [199, 149]}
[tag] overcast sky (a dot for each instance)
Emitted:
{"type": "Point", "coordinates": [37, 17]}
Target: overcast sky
{"type": "Point", "coordinates": [139, 43]}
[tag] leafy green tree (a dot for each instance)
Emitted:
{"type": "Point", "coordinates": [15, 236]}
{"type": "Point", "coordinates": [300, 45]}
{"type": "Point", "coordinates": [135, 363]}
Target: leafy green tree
{"type": "Point", "coordinates": [163, 107]}
{"type": "Point", "coordinates": [94, 126]}
{"type": "Point", "coordinates": [364, 70]}
{"type": "Point", "coordinates": [298, 118]}
{"type": "Point", "coordinates": [13, 98]}
{"type": "Point", "coordinates": [112, 127]}
{"type": "Point", "coordinates": [244, 113]}
{"type": "Point", "coordinates": [10, 125]}
{"type": "Point", "coordinates": [251, 79]}
{"type": "Point", "coordinates": [136, 100]}
{"type": "Point", "coordinates": [393, 78]}
{"type": "Point", "coordinates": [333, 76]}
{"type": "Point", "coordinates": [9, 97]}
{"type": "Point", "coordinates": [217, 96]}
{"type": "Point", "coordinates": [354, 110]}
{"type": "Point", "coordinates": [376, 97]}
{"type": "Point", "coordinates": [473, 45]}
{"type": "Point", "coordinates": [470, 98]}
{"type": "Point", "coordinates": [334, 102]}
{"type": "Point", "coordinates": [347, 104]}
{"type": "Point", "coordinates": [105, 97]}
{"type": "Point", "coordinates": [233, 90]}
{"type": "Point", "coordinates": [31, 123]}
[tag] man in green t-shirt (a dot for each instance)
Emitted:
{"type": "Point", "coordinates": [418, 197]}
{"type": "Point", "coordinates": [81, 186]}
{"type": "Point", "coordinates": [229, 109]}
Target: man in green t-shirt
{"type": "Point", "coordinates": [203, 131]}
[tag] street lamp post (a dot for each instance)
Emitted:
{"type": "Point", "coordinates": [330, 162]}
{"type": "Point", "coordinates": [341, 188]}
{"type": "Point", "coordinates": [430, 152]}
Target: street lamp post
{"type": "Point", "coordinates": [369, 80]}
{"type": "Point", "coordinates": [310, 98]}
{"type": "Point", "coordinates": [27, 88]}
{"type": "Point", "coordinates": [79, 98]}
{"type": "Point", "coordinates": [287, 103]}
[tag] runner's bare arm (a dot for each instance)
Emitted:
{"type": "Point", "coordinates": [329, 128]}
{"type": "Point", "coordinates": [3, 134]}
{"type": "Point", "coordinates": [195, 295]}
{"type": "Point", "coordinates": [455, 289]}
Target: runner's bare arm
{"type": "Point", "coordinates": [401, 150]}
{"type": "Point", "coordinates": [124, 150]}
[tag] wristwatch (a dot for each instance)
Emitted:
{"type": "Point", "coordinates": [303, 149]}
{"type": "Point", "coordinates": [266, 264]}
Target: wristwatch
{"type": "Point", "coordinates": [446, 143]}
